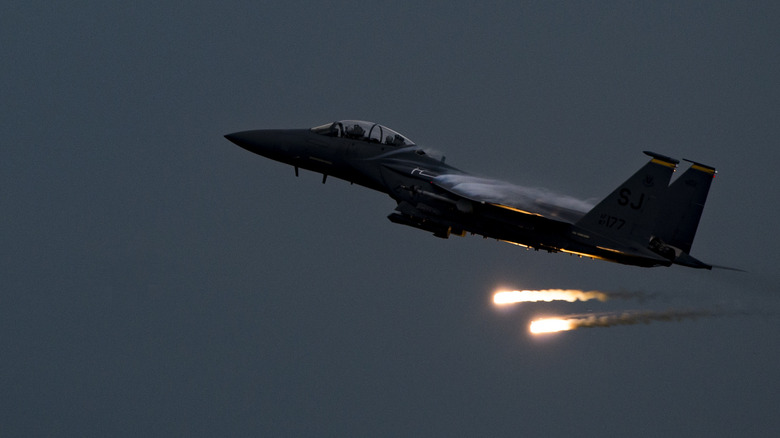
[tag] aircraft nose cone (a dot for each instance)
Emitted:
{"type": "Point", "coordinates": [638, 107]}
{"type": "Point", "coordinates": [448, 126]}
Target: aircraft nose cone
{"type": "Point", "coordinates": [267, 143]}
{"type": "Point", "coordinates": [243, 138]}
{"type": "Point", "coordinates": [277, 144]}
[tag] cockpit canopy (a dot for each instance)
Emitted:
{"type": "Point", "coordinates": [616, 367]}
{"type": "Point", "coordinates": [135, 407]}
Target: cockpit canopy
{"type": "Point", "coordinates": [365, 131]}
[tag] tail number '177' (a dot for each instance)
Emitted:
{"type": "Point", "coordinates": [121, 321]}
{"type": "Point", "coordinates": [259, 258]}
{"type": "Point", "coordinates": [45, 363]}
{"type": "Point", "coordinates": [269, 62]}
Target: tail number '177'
{"type": "Point", "coordinates": [608, 221]}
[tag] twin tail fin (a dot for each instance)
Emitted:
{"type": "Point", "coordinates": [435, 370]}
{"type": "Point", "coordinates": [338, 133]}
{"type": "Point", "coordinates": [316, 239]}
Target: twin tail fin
{"type": "Point", "coordinates": [646, 216]}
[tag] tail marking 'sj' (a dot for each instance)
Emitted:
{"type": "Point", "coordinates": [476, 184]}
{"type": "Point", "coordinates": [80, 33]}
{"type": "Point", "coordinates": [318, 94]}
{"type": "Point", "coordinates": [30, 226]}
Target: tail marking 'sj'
{"type": "Point", "coordinates": [628, 214]}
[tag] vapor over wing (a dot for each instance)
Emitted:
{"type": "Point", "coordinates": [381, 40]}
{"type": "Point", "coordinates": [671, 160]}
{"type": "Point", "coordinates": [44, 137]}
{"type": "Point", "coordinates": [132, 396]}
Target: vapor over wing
{"type": "Point", "coordinates": [529, 200]}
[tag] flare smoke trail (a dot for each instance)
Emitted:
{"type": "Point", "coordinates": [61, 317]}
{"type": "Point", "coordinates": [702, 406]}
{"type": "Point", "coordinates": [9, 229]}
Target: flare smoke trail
{"type": "Point", "coordinates": [573, 322]}
{"type": "Point", "coordinates": [570, 295]}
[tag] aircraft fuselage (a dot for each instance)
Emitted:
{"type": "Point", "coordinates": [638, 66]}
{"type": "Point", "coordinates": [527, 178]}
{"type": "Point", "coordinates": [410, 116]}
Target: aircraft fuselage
{"type": "Point", "coordinates": [378, 158]}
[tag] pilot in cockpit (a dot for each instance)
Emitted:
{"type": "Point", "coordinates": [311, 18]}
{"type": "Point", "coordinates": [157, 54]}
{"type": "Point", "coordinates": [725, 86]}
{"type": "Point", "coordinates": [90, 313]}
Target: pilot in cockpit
{"type": "Point", "coordinates": [355, 131]}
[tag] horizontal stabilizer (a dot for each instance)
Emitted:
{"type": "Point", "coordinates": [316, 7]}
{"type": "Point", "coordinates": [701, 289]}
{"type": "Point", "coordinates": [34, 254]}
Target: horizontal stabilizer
{"type": "Point", "coordinates": [685, 259]}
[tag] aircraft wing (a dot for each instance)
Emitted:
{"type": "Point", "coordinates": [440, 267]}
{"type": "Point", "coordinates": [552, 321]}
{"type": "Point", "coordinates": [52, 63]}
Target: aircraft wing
{"type": "Point", "coordinates": [519, 199]}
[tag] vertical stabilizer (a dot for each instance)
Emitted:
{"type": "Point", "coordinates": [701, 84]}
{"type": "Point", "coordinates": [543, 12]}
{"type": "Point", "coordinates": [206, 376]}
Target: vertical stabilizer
{"type": "Point", "coordinates": [628, 214]}
{"type": "Point", "coordinates": [682, 208]}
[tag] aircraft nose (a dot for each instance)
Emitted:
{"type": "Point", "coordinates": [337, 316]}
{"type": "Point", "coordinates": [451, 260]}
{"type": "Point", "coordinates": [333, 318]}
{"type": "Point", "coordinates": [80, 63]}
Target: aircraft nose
{"type": "Point", "coordinates": [245, 139]}
{"type": "Point", "coordinates": [266, 142]}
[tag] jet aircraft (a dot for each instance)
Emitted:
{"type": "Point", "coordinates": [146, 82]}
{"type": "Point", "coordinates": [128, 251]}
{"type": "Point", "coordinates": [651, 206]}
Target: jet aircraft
{"type": "Point", "coordinates": [645, 221]}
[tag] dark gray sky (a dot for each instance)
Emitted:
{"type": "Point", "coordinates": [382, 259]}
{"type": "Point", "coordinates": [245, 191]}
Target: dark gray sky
{"type": "Point", "coordinates": [160, 281]}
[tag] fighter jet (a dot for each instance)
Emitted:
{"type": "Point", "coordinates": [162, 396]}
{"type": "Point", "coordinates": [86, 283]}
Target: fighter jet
{"type": "Point", "coordinates": [645, 221]}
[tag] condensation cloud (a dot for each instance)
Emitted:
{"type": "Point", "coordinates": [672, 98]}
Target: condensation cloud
{"type": "Point", "coordinates": [537, 200]}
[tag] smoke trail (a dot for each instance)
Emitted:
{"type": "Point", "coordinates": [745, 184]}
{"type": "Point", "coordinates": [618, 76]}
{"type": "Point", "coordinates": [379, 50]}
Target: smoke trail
{"type": "Point", "coordinates": [534, 200]}
{"type": "Point", "coordinates": [573, 322]}
{"type": "Point", "coordinates": [571, 295]}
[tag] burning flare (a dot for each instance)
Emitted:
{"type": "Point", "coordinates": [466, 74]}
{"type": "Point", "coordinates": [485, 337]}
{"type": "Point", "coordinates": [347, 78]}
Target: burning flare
{"type": "Point", "coordinates": [546, 295]}
{"type": "Point", "coordinates": [572, 322]}
{"type": "Point", "coordinates": [551, 325]}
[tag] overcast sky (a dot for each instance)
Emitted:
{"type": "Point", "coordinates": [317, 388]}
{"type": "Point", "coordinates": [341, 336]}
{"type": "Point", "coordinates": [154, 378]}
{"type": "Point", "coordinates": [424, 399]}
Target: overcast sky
{"type": "Point", "coordinates": [160, 281]}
